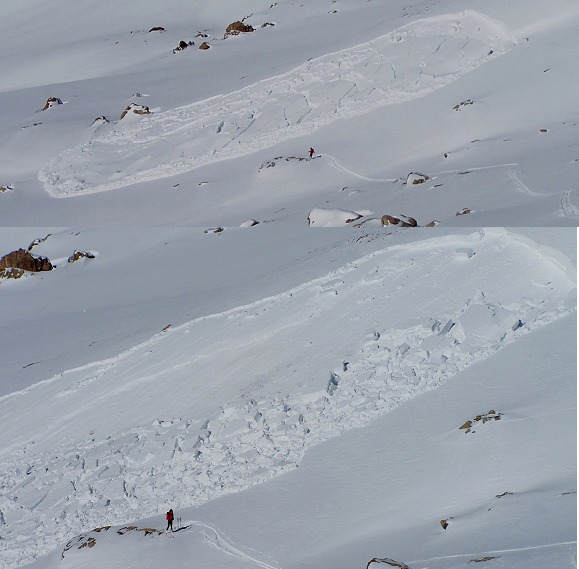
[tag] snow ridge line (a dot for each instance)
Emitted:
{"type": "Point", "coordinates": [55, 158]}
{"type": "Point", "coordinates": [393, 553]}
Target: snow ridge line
{"type": "Point", "coordinates": [344, 84]}
{"type": "Point", "coordinates": [183, 462]}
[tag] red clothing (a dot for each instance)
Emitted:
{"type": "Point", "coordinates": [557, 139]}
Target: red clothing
{"type": "Point", "coordinates": [169, 516]}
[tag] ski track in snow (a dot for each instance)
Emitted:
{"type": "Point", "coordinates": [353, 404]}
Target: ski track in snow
{"type": "Point", "coordinates": [219, 541]}
{"type": "Point", "coordinates": [52, 490]}
{"type": "Point", "coordinates": [567, 207]}
{"type": "Point", "coordinates": [426, 54]}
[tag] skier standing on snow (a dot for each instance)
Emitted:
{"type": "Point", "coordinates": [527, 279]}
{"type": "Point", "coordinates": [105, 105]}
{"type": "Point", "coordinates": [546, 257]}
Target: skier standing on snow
{"type": "Point", "coordinates": [169, 518]}
{"type": "Point", "coordinates": [311, 152]}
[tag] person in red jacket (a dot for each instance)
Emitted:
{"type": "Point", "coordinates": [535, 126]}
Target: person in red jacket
{"type": "Point", "coordinates": [311, 152]}
{"type": "Point", "coordinates": [169, 518]}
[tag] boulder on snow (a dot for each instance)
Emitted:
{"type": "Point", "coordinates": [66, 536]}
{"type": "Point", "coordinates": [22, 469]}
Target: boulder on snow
{"type": "Point", "coordinates": [51, 102]}
{"type": "Point", "coordinates": [465, 211]}
{"type": "Point", "coordinates": [157, 29]}
{"type": "Point", "coordinates": [204, 45]}
{"type": "Point", "coordinates": [6, 188]}
{"type": "Point", "coordinates": [23, 260]}
{"type": "Point", "coordinates": [136, 109]}
{"type": "Point", "coordinates": [415, 178]}
{"type": "Point", "coordinates": [319, 217]}
{"type": "Point", "coordinates": [237, 28]}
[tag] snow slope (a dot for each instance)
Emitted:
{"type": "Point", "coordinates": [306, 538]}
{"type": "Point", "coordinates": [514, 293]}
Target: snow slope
{"type": "Point", "coordinates": [268, 378]}
{"type": "Point", "coordinates": [479, 98]}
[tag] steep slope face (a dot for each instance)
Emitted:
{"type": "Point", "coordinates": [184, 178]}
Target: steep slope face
{"type": "Point", "coordinates": [229, 400]}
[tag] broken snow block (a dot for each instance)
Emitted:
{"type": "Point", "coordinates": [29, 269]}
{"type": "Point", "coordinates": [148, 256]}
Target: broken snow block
{"type": "Point", "coordinates": [320, 217]}
{"type": "Point", "coordinates": [415, 178]}
{"type": "Point", "coordinates": [249, 223]}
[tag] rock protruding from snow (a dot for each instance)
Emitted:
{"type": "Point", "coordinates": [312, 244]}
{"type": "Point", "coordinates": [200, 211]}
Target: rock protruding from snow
{"type": "Point", "coordinates": [236, 28]}
{"type": "Point", "coordinates": [51, 102]}
{"type": "Point", "coordinates": [136, 109]}
{"type": "Point", "coordinates": [415, 178]}
{"type": "Point", "coordinates": [80, 255]}
{"type": "Point", "coordinates": [386, 220]}
{"type": "Point", "coordinates": [22, 259]}
{"type": "Point", "coordinates": [183, 45]}
{"type": "Point", "coordinates": [377, 563]}
{"type": "Point", "coordinates": [482, 419]}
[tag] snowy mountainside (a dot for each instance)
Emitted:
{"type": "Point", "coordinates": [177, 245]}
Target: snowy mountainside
{"type": "Point", "coordinates": [234, 397]}
{"type": "Point", "coordinates": [480, 99]}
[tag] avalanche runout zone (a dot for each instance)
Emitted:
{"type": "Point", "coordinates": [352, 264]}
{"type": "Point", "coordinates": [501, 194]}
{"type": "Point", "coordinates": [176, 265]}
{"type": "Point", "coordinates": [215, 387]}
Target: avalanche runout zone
{"type": "Point", "coordinates": [487, 291]}
{"type": "Point", "coordinates": [405, 64]}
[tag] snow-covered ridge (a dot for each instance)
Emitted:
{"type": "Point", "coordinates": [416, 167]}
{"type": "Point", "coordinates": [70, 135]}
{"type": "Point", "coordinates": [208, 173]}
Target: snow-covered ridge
{"type": "Point", "coordinates": [405, 64]}
{"type": "Point", "coordinates": [298, 368]}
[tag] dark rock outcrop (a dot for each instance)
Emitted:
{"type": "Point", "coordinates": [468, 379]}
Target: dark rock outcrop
{"type": "Point", "coordinates": [237, 28]}
{"type": "Point", "coordinates": [22, 259]}
{"type": "Point", "coordinates": [51, 102]}
{"type": "Point", "coordinates": [80, 255]}
{"type": "Point", "coordinates": [415, 178]}
{"type": "Point", "coordinates": [136, 109]}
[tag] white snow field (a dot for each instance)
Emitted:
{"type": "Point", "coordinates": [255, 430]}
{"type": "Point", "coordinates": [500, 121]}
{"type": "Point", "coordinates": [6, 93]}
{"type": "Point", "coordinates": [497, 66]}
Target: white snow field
{"type": "Point", "coordinates": [479, 98]}
{"type": "Point", "coordinates": [295, 396]}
